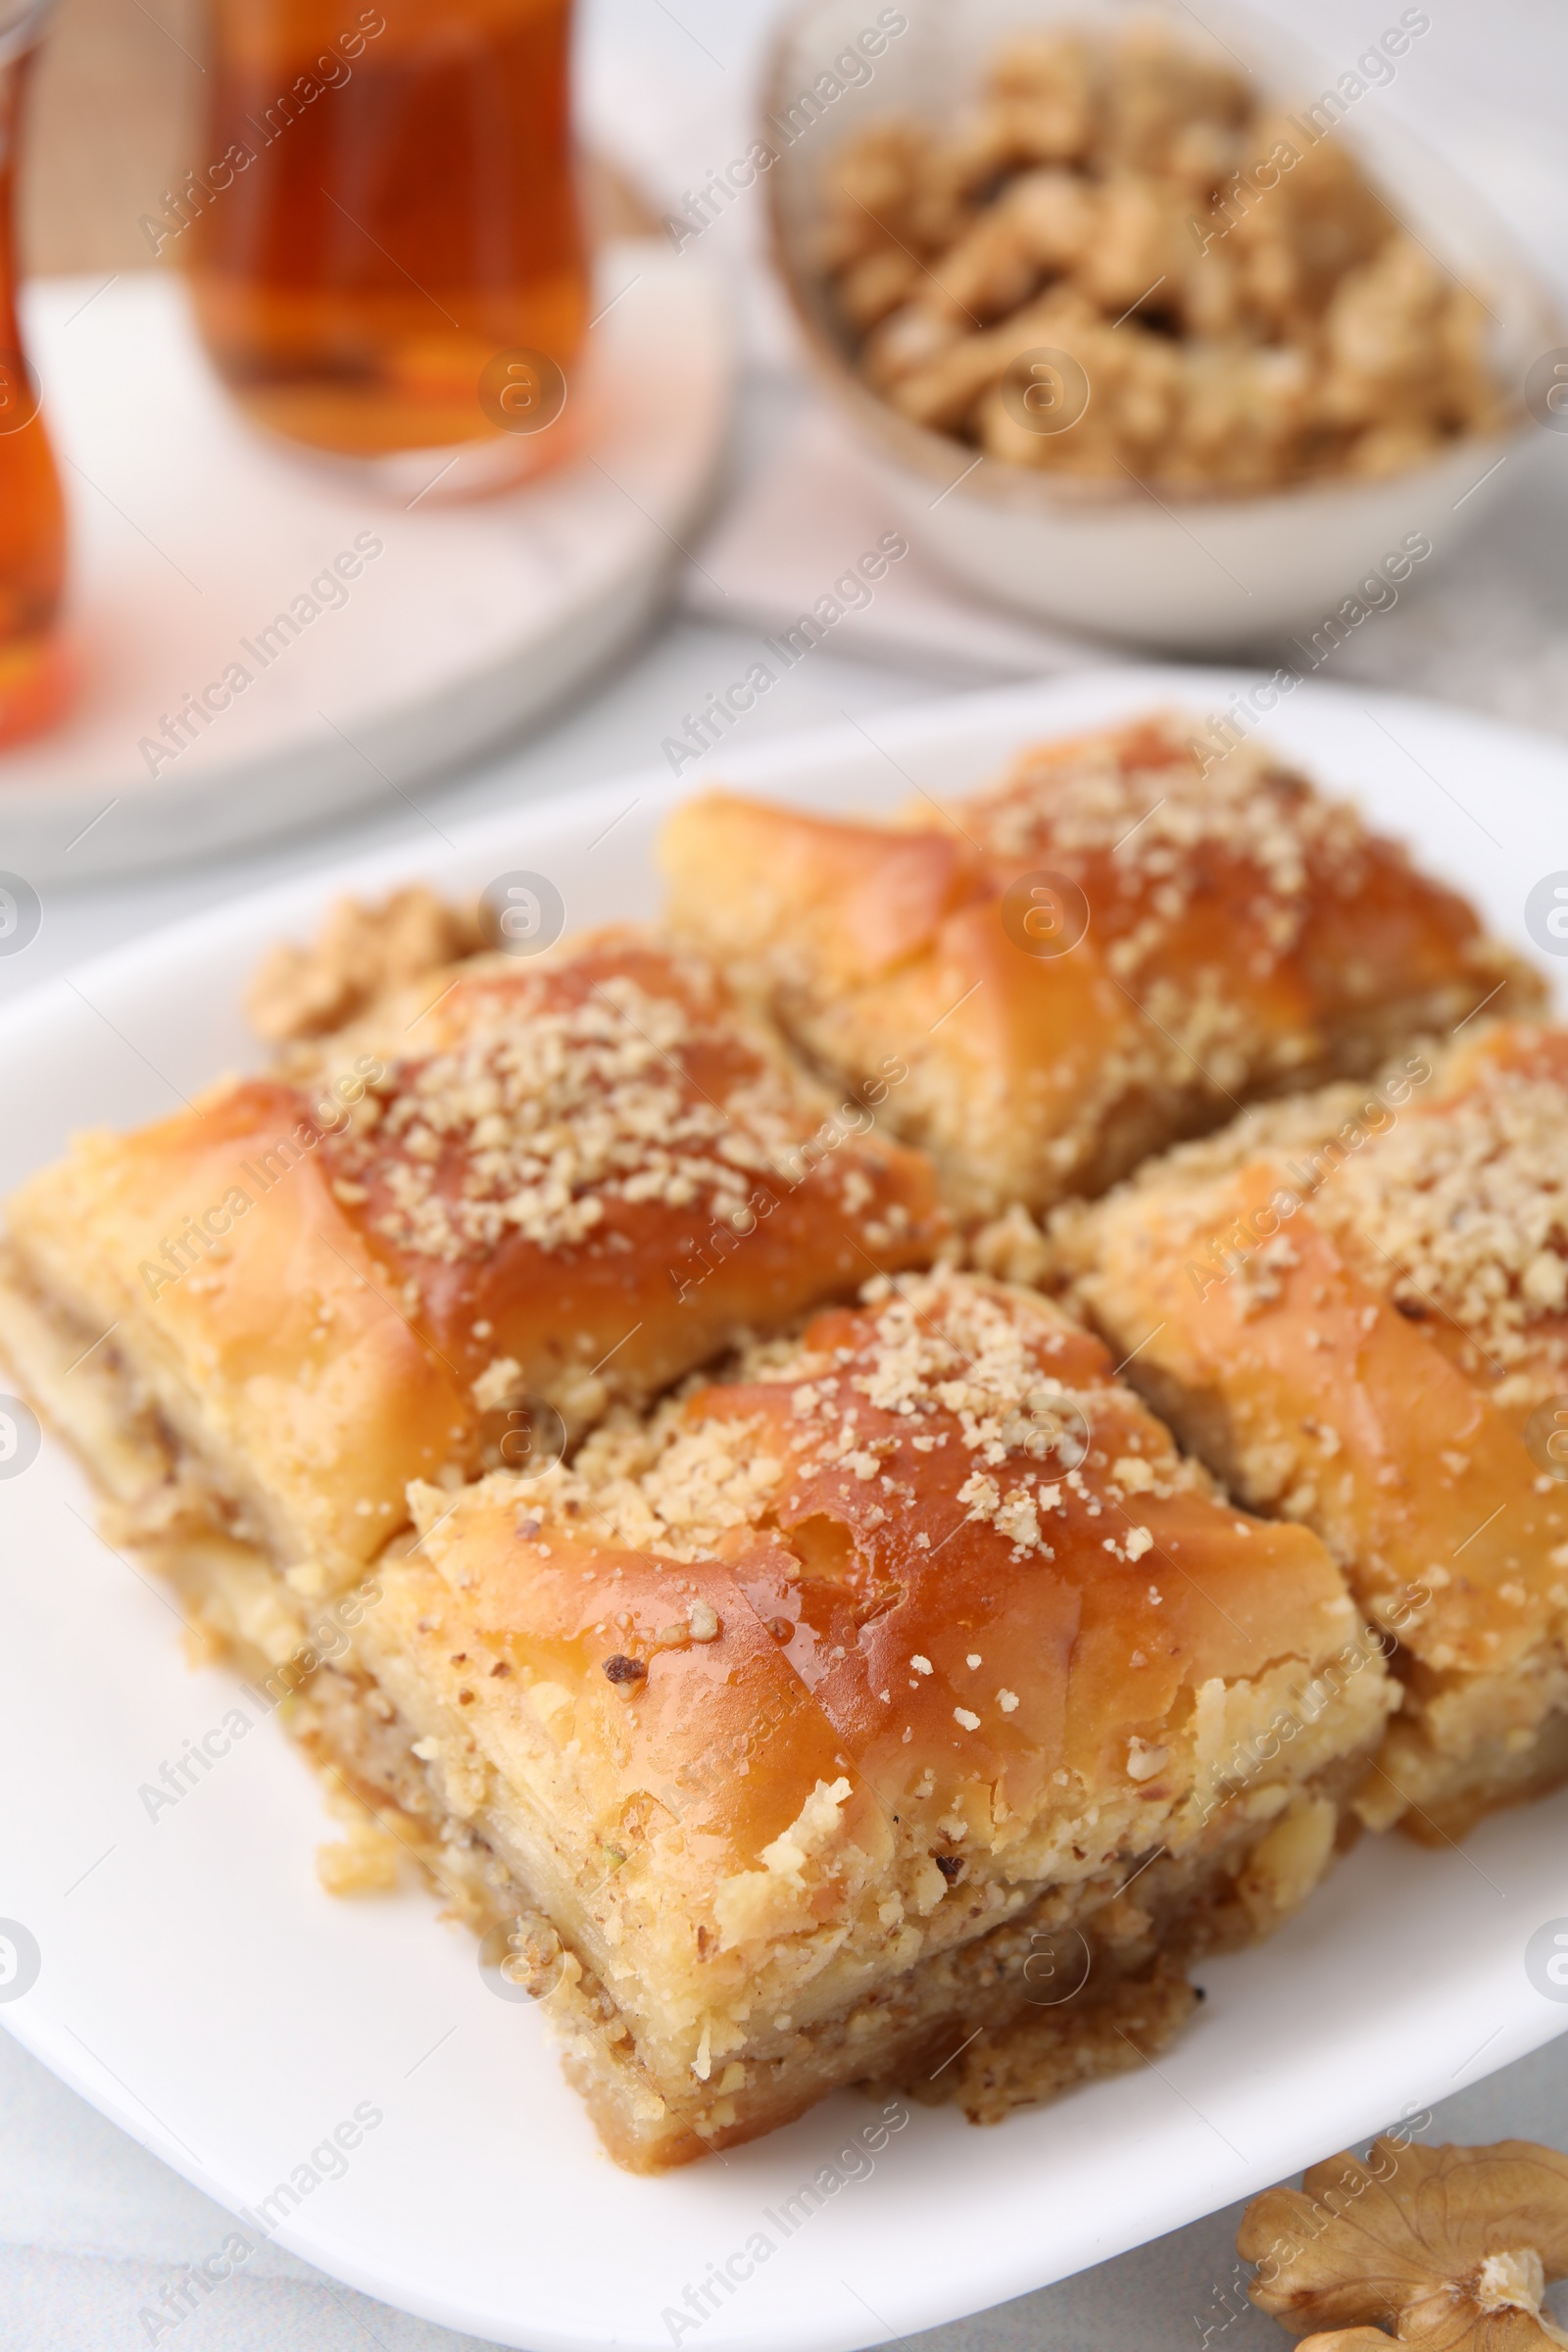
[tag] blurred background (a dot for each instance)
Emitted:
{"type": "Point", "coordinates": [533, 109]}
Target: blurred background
{"type": "Point", "coordinates": [669, 96]}
{"type": "Point", "coordinates": [771, 502]}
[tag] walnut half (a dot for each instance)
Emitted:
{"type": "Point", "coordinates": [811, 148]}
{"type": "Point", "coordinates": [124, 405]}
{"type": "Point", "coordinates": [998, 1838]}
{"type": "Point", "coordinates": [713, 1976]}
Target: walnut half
{"type": "Point", "coordinates": [360, 954]}
{"type": "Point", "coordinates": [1446, 2248]}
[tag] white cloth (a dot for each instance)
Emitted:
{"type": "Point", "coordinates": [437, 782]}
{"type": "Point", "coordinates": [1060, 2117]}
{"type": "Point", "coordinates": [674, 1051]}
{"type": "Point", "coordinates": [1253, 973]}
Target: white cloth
{"type": "Point", "coordinates": [805, 517]}
{"type": "Point", "coordinates": [1490, 631]}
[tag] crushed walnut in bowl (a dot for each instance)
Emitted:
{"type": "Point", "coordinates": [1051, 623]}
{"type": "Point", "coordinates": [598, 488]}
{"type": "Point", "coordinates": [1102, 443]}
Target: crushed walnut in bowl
{"type": "Point", "coordinates": [1240, 307]}
{"type": "Point", "coordinates": [1111, 277]}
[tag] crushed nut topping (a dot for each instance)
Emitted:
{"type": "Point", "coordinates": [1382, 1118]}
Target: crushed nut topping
{"type": "Point", "coordinates": [562, 1092]}
{"type": "Point", "coordinates": [1451, 2247]}
{"type": "Point", "coordinates": [1146, 825]}
{"type": "Point", "coordinates": [1465, 1204]}
{"type": "Point", "coordinates": [943, 1349]}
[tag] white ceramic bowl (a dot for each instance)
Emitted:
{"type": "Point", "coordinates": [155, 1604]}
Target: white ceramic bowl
{"type": "Point", "coordinates": [1188, 572]}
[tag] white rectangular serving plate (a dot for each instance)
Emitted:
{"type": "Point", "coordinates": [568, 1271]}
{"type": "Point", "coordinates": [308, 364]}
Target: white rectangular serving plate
{"type": "Point", "coordinates": [199, 1988]}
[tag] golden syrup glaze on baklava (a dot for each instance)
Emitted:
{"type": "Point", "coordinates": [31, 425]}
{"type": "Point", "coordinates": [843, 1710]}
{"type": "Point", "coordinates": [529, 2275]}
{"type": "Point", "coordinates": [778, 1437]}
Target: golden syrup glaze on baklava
{"type": "Point", "coordinates": [1352, 1307]}
{"type": "Point", "coordinates": [837, 1668]}
{"type": "Point", "coordinates": [567, 1183]}
{"type": "Point", "coordinates": [1113, 947]}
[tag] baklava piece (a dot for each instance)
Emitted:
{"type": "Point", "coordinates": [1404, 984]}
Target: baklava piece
{"type": "Point", "coordinates": [1113, 948]}
{"type": "Point", "coordinates": [904, 1710]}
{"type": "Point", "coordinates": [1353, 1308]}
{"type": "Point", "coordinates": [506, 1200]}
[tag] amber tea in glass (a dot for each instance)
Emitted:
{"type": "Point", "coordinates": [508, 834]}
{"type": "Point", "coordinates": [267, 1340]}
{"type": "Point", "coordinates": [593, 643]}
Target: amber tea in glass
{"type": "Point", "coordinates": [390, 209]}
{"type": "Point", "coordinates": [34, 676]}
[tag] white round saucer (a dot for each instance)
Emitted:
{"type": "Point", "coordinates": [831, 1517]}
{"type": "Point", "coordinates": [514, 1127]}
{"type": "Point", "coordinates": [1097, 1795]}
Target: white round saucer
{"type": "Point", "coordinates": [192, 534]}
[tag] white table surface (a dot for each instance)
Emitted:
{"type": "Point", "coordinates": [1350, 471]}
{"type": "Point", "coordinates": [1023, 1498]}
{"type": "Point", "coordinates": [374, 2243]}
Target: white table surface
{"type": "Point", "coordinates": [92, 2227]}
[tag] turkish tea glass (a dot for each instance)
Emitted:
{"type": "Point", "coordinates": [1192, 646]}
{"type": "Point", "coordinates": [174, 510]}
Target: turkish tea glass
{"type": "Point", "coordinates": [34, 670]}
{"type": "Point", "coordinates": [385, 244]}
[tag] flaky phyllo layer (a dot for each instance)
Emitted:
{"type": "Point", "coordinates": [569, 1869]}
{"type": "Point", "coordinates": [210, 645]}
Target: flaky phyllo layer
{"type": "Point", "coordinates": [917, 1625]}
{"type": "Point", "coordinates": [1352, 1306]}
